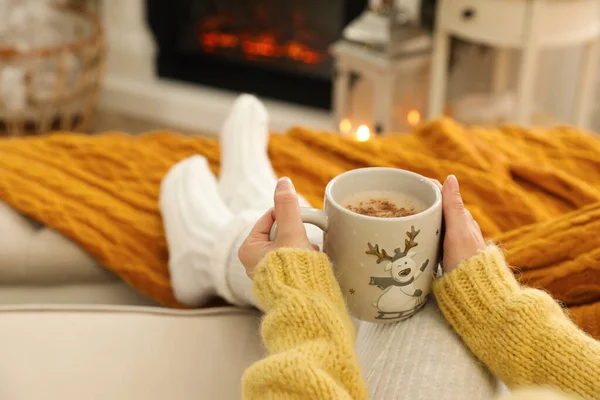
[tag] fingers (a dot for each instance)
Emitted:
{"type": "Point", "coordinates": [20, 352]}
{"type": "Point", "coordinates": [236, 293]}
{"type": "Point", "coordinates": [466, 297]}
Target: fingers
{"type": "Point", "coordinates": [455, 212]}
{"type": "Point", "coordinates": [477, 227]}
{"type": "Point", "coordinates": [248, 253]}
{"type": "Point", "coordinates": [263, 226]}
{"type": "Point", "coordinates": [287, 211]}
{"type": "Point", "coordinates": [462, 239]}
{"type": "Point", "coordinates": [436, 183]}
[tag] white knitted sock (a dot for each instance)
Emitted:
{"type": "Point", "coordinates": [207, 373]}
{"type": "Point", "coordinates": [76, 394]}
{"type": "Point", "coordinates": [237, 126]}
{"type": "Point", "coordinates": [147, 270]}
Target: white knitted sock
{"type": "Point", "coordinates": [192, 211]}
{"type": "Point", "coordinates": [203, 237]}
{"type": "Point", "coordinates": [247, 180]}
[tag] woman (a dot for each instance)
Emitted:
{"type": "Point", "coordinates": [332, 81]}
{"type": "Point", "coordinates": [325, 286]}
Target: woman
{"type": "Point", "coordinates": [207, 221]}
{"type": "Point", "coordinates": [522, 335]}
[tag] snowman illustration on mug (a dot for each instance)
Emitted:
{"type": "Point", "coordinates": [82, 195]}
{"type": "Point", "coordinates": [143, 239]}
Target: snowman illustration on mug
{"type": "Point", "coordinates": [400, 298]}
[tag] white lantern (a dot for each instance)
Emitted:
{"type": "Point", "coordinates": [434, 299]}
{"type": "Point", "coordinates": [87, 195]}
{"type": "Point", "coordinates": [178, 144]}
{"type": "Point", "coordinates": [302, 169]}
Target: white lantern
{"type": "Point", "coordinates": [385, 93]}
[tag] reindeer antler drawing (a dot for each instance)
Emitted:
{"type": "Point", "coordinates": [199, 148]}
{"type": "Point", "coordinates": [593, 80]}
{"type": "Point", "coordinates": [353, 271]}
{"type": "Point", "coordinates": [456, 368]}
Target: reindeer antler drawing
{"type": "Point", "coordinates": [408, 243]}
{"type": "Point", "coordinates": [381, 255]}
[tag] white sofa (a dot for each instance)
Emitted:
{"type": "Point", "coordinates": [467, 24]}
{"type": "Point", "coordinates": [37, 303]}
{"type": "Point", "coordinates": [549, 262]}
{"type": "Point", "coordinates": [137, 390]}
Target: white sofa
{"type": "Point", "coordinates": [70, 329]}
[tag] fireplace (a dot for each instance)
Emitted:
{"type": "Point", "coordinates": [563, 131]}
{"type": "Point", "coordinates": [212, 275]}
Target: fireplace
{"type": "Point", "coordinates": [272, 48]}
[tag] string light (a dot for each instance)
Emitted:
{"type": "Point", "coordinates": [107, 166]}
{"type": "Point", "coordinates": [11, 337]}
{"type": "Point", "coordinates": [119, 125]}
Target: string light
{"type": "Point", "coordinates": [345, 126]}
{"type": "Point", "coordinates": [413, 117]}
{"type": "Point", "coordinates": [363, 133]}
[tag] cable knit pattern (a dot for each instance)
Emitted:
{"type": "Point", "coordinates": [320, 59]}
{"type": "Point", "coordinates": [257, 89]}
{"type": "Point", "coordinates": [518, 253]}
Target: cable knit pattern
{"type": "Point", "coordinates": [536, 191]}
{"type": "Point", "coordinates": [521, 334]}
{"type": "Point", "coordinates": [307, 332]}
{"type": "Point", "coordinates": [562, 256]}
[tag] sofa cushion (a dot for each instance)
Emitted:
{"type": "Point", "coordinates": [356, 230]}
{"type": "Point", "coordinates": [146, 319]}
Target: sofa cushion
{"type": "Point", "coordinates": [82, 352]}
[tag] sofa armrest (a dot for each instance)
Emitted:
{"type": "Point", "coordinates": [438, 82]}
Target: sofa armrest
{"type": "Point", "coordinates": [31, 253]}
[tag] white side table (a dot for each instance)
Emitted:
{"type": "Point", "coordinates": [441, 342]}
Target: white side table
{"type": "Point", "coordinates": [378, 68]}
{"type": "Point", "coordinates": [528, 25]}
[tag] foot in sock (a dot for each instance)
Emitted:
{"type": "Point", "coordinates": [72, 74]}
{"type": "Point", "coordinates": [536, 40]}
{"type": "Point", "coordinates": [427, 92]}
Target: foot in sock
{"type": "Point", "coordinates": [202, 234]}
{"type": "Point", "coordinates": [191, 210]}
{"type": "Point", "coordinates": [247, 180]}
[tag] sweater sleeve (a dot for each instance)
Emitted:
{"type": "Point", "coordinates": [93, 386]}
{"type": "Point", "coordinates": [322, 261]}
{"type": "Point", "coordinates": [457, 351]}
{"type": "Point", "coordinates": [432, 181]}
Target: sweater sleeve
{"type": "Point", "coordinates": [521, 334]}
{"type": "Point", "coordinates": [307, 332]}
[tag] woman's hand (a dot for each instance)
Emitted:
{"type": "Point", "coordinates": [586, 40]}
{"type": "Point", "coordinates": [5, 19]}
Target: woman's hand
{"type": "Point", "coordinates": [290, 229]}
{"type": "Point", "coordinates": [463, 238]}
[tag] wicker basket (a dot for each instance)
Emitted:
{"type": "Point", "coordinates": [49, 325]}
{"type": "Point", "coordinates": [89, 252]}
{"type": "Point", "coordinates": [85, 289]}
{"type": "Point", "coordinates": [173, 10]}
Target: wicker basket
{"type": "Point", "coordinates": [53, 88]}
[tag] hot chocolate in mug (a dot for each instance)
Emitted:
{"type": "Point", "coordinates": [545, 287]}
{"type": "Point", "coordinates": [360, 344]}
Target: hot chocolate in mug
{"type": "Point", "coordinates": [385, 266]}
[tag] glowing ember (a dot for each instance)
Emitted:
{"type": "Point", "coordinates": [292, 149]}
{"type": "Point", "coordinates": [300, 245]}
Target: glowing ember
{"type": "Point", "coordinates": [260, 45]}
{"type": "Point", "coordinates": [413, 117]}
{"type": "Point", "coordinates": [363, 133]}
{"type": "Point", "coordinates": [345, 126]}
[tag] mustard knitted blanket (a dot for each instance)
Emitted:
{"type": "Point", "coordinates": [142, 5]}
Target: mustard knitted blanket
{"type": "Point", "coordinates": [535, 191]}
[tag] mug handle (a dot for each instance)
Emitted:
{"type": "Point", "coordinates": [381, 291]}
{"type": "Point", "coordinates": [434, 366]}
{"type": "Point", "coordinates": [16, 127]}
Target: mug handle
{"type": "Point", "coordinates": [309, 215]}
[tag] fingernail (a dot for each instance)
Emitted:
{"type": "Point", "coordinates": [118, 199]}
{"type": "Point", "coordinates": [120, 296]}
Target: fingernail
{"type": "Point", "coordinates": [285, 183]}
{"type": "Point", "coordinates": [452, 183]}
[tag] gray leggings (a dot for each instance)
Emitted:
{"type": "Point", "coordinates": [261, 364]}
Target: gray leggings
{"type": "Point", "coordinates": [421, 359]}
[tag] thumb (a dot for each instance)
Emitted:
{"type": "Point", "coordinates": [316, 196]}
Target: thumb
{"type": "Point", "coordinates": [287, 211]}
{"type": "Point", "coordinates": [452, 203]}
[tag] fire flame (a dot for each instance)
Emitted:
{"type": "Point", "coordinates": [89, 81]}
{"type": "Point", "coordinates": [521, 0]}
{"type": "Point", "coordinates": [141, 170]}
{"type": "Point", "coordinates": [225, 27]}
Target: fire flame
{"type": "Point", "coordinates": [260, 45]}
{"type": "Point", "coordinates": [363, 133]}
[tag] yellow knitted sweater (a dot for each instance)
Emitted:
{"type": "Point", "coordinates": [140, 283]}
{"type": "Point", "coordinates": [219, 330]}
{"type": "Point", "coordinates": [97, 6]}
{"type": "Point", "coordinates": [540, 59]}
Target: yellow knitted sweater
{"type": "Point", "coordinates": [521, 334]}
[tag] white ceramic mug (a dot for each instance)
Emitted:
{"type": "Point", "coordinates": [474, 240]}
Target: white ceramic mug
{"type": "Point", "coordinates": [385, 266]}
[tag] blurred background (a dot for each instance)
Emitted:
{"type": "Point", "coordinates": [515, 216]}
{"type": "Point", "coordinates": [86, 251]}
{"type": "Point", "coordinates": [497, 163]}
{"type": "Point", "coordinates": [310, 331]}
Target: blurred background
{"type": "Point", "coordinates": [139, 65]}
